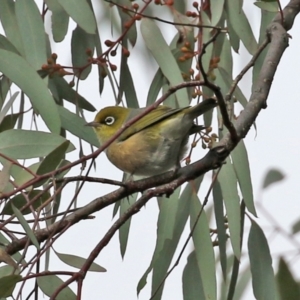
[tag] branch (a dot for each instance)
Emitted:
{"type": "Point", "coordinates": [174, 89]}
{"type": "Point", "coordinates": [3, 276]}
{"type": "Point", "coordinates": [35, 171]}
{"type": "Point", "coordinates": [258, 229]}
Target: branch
{"type": "Point", "coordinates": [213, 159]}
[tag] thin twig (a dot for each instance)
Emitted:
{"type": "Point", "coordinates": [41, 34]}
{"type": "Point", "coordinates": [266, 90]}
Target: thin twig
{"type": "Point", "coordinates": [246, 68]}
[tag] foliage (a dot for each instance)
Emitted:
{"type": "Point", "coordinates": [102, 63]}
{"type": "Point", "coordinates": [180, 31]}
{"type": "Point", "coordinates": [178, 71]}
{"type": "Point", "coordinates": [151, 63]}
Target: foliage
{"type": "Point", "coordinates": [42, 118]}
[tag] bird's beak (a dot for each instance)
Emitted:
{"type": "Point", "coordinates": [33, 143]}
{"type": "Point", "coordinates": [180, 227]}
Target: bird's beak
{"type": "Point", "coordinates": [93, 124]}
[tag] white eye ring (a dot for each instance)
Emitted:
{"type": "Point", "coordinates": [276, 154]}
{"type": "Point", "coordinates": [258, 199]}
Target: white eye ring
{"type": "Point", "coordinates": [109, 120]}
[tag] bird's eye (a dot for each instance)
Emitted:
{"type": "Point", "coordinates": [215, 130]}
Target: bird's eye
{"type": "Point", "coordinates": [109, 120]}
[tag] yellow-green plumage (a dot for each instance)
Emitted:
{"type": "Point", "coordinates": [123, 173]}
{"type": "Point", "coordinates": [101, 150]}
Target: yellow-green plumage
{"type": "Point", "coordinates": [155, 143]}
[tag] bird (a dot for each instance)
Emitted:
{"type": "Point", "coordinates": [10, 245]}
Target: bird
{"type": "Point", "coordinates": [154, 144]}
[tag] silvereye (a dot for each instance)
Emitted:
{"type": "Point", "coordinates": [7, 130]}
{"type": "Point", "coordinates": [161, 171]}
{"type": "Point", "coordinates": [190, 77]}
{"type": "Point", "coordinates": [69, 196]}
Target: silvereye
{"type": "Point", "coordinates": [154, 144]}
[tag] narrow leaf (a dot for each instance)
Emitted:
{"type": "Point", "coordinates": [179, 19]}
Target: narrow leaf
{"type": "Point", "coordinates": [163, 56]}
{"type": "Point", "coordinates": [7, 284]}
{"type": "Point", "coordinates": [287, 285]}
{"type": "Point", "coordinates": [238, 20]}
{"type": "Point", "coordinates": [8, 106]}
{"type": "Point", "coordinates": [18, 143]}
{"type": "Point", "coordinates": [191, 280]}
{"type": "Point", "coordinates": [32, 85]}
{"type": "Point", "coordinates": [204, 250]}
{"type": "Point", "coordinates": [26, 227]}
{"type": "Point", "coordinates": [124, 230]}
{"type": "Point", "coordinates": [59, 20]}
{"type": "Point", "coordinates": [242, 168]}
{"type": "Point", "coordinates": [32, 32]}
{"type": "Point", "coordinates": [81, 13]}
{"type": "Point", "coordinates": [263, 280]}
{"type": "Point", "coordinates": [82, 42]}
{"type": "Point", "coordinates": [49, 284]}
{"type": "Point", "coordinates": [19, 201]}
{"type": "Point", "coordinates": [60, 89]}
{"type": "Point", "coordinates": [77, 262]}
{"type": "Point", "coordinates": [76, 126]}
{"type": "Point", "coordinates": [272, 177]}
{"type": "Point", "coordinates": [221, 229]}
{"type": "Point", "coordinates": [228, 183]}
{"type": "Point", "coordinates": [9, 23]}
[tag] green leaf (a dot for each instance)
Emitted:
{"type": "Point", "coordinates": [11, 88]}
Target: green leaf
{"type": "Point", "coordinates": [216, 8]}
{"type": "Point", "coordinates": [207, 33]}
{"type": "Point", "coordinates": [4, 177]}
{"type": "Point", "coordinates": [296, 227]}
{"type": "Point", "coordinates": [272, 176]}
{"type": "Point", "coordinates": [221, 229]}
{"type": "Point", "coordinates": [32, 85]}
{"type": "Point", "coordinates": [124, 230]}
{"type": "Point", "coordinates": [204, 250]}
{"type": "Point", "coordinates": [5, 44]}
{"type": "Point", "coordinates": [17, 256]}
{"type": "Point", "coordinates": [26, 227]}
{"type": "Point", "coordinates": [242, 168]}
{"type": "Point", "coordinates": [32, 32]}
{"type": "Point", "coordinates": [81, 13]}
{"type": "Point", "coordinates": [163, 56]}
{"type": "Point", "coordinates": [174, 212]}
{"type": "Point", "coordinates": [241, 288]}
{"type": "Point", "coordinates": [226, 60]}
{"type": "Point", "coordinates": [81, 42]}
{"type": "Point", "coordinates": [5, 84]}
{"type": "Point", "coordinates": [8, 106]}
{"type": "Point", "coordinates": [266, 19]}
{"type": "Point", "coordinates": [59, 20]}
{"type": "Point", "coordinates": [22, 176]}
{"type": "Point", "coordinates": [127, 85]}
{"type": "Point", "coordinates": [263, 280]}
{"type": "Point", "coordinates": [238, 20]}
{"type": "Point", "coordinates": [19, 201]}
{"type": "Point", "coordinates": [226, 82]}
{"type": "Point", "coordinates": [49, 284]}
{"type": "Point", "coordinates": [228, 183]}
{"type": "Point", "coordinates": [191, 280]}
{"type": "Point", "coordinates": [60, 89]}
{"type": "Point", "coordinates": [76, 126]}
{"type": "Point", "coordinates": [9, 122]}
{"type": "Point", "coordinates": [131, 34]}
{"type": "Point", "coordinates": [155, 87]}
{"type": "Point", "coordinates": [287, 285]}
{"type": "Point", "coordinates": [17, 143]}
{"type": "Point", "coordinates": [268, 6]}
{"type": "Point", "coordinates": [9, 23]}
{"type": "Point", "coordinates": [77, 262]}
{"type": "Point", "coordinates": [7, 270]}
{"type": "Point", "coordinates": [7, 284]}
{"type": "Point", "coordinates": [52, 161]}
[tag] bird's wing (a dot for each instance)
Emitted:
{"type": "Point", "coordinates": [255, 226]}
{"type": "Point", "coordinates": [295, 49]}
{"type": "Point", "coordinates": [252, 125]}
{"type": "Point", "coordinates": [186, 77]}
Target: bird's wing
{"type": "Point", "coordinates": [155, 116]}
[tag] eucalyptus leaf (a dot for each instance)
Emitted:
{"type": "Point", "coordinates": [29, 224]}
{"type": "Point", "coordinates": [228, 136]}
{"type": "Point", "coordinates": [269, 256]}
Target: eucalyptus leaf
{"type": "Point", "coordinates": [34, 87]}
{"type": "Point", "coordinates": [263, 280]}
{"type": "Point", "coordinates": [163, 56]}
{"type": "Point", "coordinates": [81, 42]}
{"type": "Point", "coordinates": [9, 23]}
{"type": "Point", "coordinates": [32, 32]}
{"type": "Point", "coordinates": [26, 227]}
{"type": "Point", "coordinates": [228, 183]}
{"type": "Point", "coordinates": [8, 283]}
{"type": "Point", "coordinates": [272, 176]}
{"type": "Point", "coordinates": [49, 284]}
{"type": "Point", "coordinates": [59, 20]}
{"type": "Point", "coordinates": [77, 262]}
{"type": "Point", "coordinates": [19, 201]}
{"type": "Point", "coordinates": [81, 13]}
{"type": "Point", "coordinates": [18, 143]}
